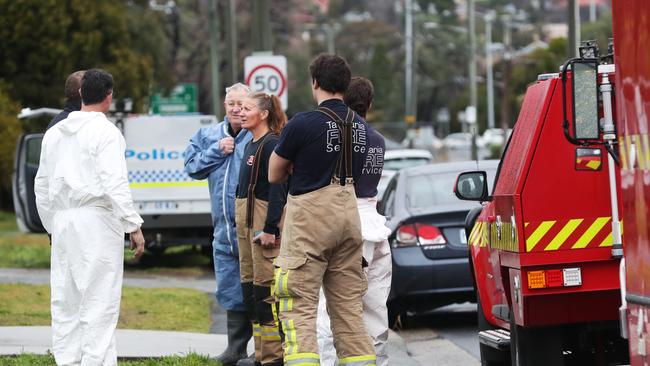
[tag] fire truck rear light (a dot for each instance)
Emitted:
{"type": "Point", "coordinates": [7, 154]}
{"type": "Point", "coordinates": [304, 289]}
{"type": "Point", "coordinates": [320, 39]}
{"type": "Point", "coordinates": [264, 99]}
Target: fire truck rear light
{"type": "Point", "coordinates": [536, 279]}
{"type": "Point", "coordinates": [554, 278]}
{"type": "Point", "coordinates": [572, 277]}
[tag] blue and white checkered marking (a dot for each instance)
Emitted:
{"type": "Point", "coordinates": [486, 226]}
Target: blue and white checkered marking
{"type": "Point", "coordinates": [152, 176]}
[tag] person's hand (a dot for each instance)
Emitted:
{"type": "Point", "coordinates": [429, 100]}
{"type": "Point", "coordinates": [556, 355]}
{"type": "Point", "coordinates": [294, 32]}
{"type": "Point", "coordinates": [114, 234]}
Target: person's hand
{"type": "Point", "coordinates": [265, 240]}
{"type": "Point", "coordinates": [137, 243]}
{"type": "Point", "coordinates": [227, 145]}
{"type": "Point", "coordinates": [290, 169]}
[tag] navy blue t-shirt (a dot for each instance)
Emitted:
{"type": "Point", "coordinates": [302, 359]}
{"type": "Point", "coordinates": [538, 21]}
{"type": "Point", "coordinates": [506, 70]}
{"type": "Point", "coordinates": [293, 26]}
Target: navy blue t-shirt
{"type": "Point", "coordinates": [366, 186]}
{"type": "Point", "coordinates": [311, 141]}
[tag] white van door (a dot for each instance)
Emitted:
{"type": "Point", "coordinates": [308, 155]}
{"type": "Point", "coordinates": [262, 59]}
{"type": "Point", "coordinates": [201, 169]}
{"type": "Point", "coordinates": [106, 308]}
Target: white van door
{"type": "Point", "coordinates": [28, 153]}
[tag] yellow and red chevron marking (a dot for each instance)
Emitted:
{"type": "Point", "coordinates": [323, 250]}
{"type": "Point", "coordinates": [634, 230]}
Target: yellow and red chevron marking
{"type": "Point", "coordinates": [479, 235]}
{"type": "Point", "coordinates": [569, 234]}
{"type": "Point", "coordinates": [588, 163]}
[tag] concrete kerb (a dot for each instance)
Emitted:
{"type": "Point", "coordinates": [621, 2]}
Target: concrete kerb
{"type": "Point", "coordinates": [145, 343]}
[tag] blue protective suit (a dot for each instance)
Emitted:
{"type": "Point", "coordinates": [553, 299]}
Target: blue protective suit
{"type": "Point", "coordinates": [204, 159]}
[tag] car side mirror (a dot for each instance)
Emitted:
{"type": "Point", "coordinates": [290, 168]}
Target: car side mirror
{"type": "Point", "coordinates": [472, 186]}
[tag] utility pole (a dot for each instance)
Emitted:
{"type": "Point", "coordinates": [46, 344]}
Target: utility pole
{"type": "Point", "coordinates": [214, 57]}
{"type": "Point", "coordinates": [489, 17]}
{"type": "Point", "coordinates": [408, 87]}
{"type": "Point", "coordinates": [471, 112]}
{"type": "Point", "coordinates": [592, 11]}
{"type": "Point", "coordinates": [574, 27]}
{"type": "Point", "coordinates": [506, 90]}
{"type": "Point", "coordinates": [261, 25]}
{"type": "Point", "coordinates": [232, 41]}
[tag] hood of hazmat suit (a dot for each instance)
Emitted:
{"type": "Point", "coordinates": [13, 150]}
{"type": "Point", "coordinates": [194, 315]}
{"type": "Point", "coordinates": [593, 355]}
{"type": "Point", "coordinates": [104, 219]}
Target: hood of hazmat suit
{"type": "Point", "coordinates": [84, 200]}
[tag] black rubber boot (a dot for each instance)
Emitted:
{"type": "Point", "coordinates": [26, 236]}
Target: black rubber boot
{"type": "Point", "coordinates": [240, 331]}
{"type": "Point", "coordinates": [248, 361]}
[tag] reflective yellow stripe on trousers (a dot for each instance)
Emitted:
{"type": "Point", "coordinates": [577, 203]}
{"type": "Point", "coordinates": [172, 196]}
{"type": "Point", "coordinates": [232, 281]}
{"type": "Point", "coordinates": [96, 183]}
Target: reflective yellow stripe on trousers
{"type": "Point", "coordinates": [257, 330]}
{"type": "Point", "coordinates": [281, 280]}
{"type": "Point", "coordinates": [367, 360]}
{"type": "Point", "coordinates": [302, 359]}
{"type": "Point", "coordinates": [271, 333]}
{"type": "Point", "coordinates": [290, 340]}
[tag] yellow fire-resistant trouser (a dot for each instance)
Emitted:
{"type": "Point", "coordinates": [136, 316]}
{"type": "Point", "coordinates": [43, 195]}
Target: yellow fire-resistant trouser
{"type": "Point", "coordinates": [321, 245]}
{"type": "Point", "coordinates": [256, 266]}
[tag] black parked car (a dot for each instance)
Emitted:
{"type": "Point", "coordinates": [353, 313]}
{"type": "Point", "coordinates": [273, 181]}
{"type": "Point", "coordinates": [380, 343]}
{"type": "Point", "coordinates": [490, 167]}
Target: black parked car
{"type": "Point", "coordinates": [428, 239]}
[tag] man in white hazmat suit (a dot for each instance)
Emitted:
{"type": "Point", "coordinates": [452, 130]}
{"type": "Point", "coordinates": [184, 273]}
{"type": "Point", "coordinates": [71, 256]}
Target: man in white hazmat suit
{"type": "Point", "coordinates": [376, 250]}
{"type": "Point", "coordinates": [84, 201]}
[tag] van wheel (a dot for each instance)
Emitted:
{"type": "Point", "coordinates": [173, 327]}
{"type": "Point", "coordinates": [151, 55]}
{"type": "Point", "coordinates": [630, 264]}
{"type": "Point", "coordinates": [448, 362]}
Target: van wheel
{"type": "Point", "coordinates": [535, 347]}
{"type": "Point", "coordinates": [489, 355]}
{"type": "Point", "coordinates": [157, 251]}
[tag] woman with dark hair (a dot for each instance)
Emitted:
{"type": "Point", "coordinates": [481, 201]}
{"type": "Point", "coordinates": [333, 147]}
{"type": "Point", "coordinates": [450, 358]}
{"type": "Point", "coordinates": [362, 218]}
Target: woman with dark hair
{"type": "Point", "coordinates": [259, 212]}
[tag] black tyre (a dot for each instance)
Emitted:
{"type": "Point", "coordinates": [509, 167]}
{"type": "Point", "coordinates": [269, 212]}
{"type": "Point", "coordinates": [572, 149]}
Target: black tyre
{"type": "Point", "coordinates": [535, 347]}
{"type": "Point", "coordinates": [396, 316]}
{"type": "Point", "coordinates": [157, 250]}
{"type": "Point", "coordinates": [489, 356]}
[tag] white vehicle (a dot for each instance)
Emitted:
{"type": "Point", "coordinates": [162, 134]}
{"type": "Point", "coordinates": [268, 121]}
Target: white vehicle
{"type": "Point", "coordinates": [494, 136]}
{"type": "Point", "coordinates": [175, 208]}
{"type": "Point", "coordinates": [395, 160]}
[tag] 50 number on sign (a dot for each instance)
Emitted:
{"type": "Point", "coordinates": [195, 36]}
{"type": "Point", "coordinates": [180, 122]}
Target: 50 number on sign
{"type": "Point", "coordinates": [267, 83]}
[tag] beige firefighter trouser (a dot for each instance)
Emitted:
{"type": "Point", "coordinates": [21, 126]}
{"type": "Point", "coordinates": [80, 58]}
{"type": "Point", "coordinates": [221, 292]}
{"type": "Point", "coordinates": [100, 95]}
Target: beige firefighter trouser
{"type": "Point", "coordinates": [321, 246]}
{"type": "Point", "coordinates": [256, 266]}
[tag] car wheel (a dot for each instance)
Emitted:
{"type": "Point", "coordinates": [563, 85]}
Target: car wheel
{"type": "Point", "coordinates": [397, 317]}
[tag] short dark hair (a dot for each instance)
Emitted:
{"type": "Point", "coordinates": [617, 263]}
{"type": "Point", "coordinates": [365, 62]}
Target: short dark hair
{"type": "Point", "coordinates": [96, 85]}
{"type": "Point", "coordinates": [359, 95]}
{"type": "Point", "coordinates": [73, 84]}
{"type": "Point", "coordinates": [331, 72]}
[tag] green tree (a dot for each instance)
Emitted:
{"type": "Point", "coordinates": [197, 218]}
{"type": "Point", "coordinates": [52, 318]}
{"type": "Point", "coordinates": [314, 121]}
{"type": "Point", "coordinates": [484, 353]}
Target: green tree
{"type": "Point", "coordinates": [49, 39]}
{"type": "Point", "coordinates": [9, 132]}
{"type": "Point", "coordinates": [382, 75]}
{"type": "Point", "coordinates": [600, 30]}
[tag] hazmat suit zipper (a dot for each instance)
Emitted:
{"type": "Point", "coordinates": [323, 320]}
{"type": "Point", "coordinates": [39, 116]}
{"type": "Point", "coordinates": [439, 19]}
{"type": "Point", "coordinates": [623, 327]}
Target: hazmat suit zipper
{"type": "Point", "coordinates": [225, 210]}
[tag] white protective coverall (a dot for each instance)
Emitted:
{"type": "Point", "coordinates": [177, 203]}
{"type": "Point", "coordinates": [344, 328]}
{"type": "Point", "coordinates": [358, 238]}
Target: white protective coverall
{"type": "Point", "coordinates": [84, 201]}
{"type": "Point", "coordinates": [376, 251]}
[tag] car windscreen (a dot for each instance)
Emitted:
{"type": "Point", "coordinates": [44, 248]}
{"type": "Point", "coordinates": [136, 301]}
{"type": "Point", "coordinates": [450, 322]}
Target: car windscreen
{"type": "Point", "coordinates": [397, 164]}
{"type": "Point", "coordinates": [432, 189]}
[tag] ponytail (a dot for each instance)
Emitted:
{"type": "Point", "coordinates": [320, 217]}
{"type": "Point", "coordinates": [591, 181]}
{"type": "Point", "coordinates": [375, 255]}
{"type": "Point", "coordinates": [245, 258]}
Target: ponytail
{"type": "Point", "coordinates": [277, 118]}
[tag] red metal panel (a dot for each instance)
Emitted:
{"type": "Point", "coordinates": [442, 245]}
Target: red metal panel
{"type": "Point", "coordinates": [555, 191]}
{"type": "Point", "coordinates": [632, 37]}
{"type": "Point", "coordinates": [597, 299]}
{"type": "Point", "coordinates": [524, 139]}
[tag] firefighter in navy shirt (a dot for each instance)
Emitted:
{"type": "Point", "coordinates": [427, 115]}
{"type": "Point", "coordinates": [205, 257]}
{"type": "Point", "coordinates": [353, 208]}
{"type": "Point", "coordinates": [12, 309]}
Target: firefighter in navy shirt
{"type": "Point", "coordinates": [376, 249]}
{"type": "Point", "coordinates": [321, 242]}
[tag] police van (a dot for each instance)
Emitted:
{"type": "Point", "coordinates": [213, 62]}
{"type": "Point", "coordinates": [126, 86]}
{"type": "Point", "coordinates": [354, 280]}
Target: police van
{"type": "Point", "coordinates": [175, 208]}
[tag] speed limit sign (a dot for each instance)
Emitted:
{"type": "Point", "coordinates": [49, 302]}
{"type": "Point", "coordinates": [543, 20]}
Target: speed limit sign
{"type": "Point", "coordinates": [267, 74]}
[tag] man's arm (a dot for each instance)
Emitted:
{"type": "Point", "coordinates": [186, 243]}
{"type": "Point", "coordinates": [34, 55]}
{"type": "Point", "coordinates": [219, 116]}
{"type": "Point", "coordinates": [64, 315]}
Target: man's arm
{"type": "Point", "coordinates": [278, 169]}
{"type": "Point", "coordinates": [199, 161]}
{"type": "Point", "coordinates": [41, 190]}
{"type": "Point", "coordinates": [111, 167]}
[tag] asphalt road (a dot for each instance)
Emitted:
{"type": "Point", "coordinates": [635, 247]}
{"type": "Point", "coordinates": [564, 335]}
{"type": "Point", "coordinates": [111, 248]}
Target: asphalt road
{"type": "Point", "coordinates": [447, 335]}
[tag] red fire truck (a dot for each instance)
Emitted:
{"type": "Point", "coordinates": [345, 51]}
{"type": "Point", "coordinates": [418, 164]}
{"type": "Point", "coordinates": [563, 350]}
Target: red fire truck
{"type": "Point", "coordinates": [546, 247]}
{"type": "Point", "coordinates": [631, 35]}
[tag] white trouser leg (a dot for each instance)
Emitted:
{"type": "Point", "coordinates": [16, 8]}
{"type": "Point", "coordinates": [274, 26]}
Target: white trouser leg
{"type": "Point", "coordinates": [324, 334]}
{"type": "Point", "coordinates": [65, 300]}
{"type": "Point", "coordinates": [92, 249]}
{"type": "Point", "coordinates": [375, 312]}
